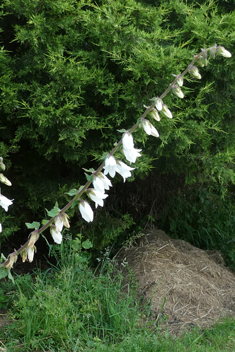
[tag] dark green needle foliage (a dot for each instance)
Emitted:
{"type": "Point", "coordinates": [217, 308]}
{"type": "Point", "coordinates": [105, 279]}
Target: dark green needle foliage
{"type": "Point", "coordinates": [73, 72]}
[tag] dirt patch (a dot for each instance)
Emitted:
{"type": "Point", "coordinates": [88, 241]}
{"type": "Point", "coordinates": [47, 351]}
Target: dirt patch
{"type": "Point", "coordinates": [187, 286]}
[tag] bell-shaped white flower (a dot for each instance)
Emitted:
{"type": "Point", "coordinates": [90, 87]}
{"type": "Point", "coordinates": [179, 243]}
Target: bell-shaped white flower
{"type": "Point", "coordinates": [149, 128]}
{"type": "Point", "coordinates": [132, 154]}
{"type": "Point", "coordinates": [97, 197]}
{"type": "Point", "coordinates": [154, 114]}
{"type": "Point", "coordinates": [222, 51]}
{"type": "Point", "coordinates": [124, 170]}
{"type": "Point", "coordinates": [98, 183]}
{"type": "Point", "coordinates": [158, 104]}
{"type": "Point", "coordinates": [106, 181]}
{"type": "Point", "coordinates": [59, 224]}
{"type": "Point", "coordinates": [110, 166]}
{"type": "Point", "coordinates": [30, 253]}
{"type": "Point", "coordinates": [5, 202]}
{"type": "Point", "coordinates": [166, 111]}
{"type": "Point", "coordinates": [101, 182]}
{"type": "Point", "coordinates": [86, 211]}
{"type": "Point", "coordinates": [193, 70]}
{"type": "Point", "coordinates": [56, 235]}
{"type": "Point", "coordinates": [177, 91]}
{"type": "Point", "coordinates": [0, 228]}
{"type": "Point", "coordinates": [127, 141]}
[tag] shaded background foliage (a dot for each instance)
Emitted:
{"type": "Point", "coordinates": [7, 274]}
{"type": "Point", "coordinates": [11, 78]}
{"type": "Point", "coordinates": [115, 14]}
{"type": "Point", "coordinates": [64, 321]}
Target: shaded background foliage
{"type": "Point", "coordinates": [73, 72]}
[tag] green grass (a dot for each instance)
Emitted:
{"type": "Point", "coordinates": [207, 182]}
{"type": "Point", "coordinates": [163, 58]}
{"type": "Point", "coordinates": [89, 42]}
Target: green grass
{"type": "Point", "coordinates": [72, 308]}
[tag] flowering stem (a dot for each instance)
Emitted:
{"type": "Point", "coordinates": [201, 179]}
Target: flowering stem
{"type": "Point", "coordinates": [79, 194]}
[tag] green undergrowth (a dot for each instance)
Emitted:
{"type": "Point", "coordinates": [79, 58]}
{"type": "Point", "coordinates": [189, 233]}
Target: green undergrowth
{"type": "Point", "coordinates": [71, 307]}
{"type": "Point", "coordinates": [208, 222]}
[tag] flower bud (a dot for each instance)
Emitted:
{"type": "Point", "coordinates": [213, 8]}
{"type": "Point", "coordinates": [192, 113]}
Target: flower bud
{"type": "Point", "coordinates": [193, 70]}
{"type": "Point", "coordinates": [177, 91]}
{"type": "Point", "coordinates": [158, 104]}
{"type": "Point", "coordinates": [149, 128]}
{"type": "Point", "coordinates": [5, 180]}
{"type": "Point", "coordinates": [222, 51]}
{"type": "Point", "coordinates": [180, 80]}
{"type": "Point", "coordinates": [154, 114]}
{"type": "Point", "coordinates": [166, 111]}
{"type": "Point", "coordinates": [86, 211]}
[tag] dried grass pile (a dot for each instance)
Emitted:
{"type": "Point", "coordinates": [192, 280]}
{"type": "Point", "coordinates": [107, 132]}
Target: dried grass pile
{"type": "Point", "coordinates": [194, 284]}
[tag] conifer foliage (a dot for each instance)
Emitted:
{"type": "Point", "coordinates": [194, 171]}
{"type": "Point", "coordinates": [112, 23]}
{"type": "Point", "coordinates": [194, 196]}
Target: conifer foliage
{"type": "Point", "coordinates": [73, 72]}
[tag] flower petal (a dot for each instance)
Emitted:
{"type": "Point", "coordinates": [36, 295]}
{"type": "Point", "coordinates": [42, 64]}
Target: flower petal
{"type": "Point", "coordinates": [86, 211]}
{"type": "Point", "coordinates": [5, 202]}
{"type": "Point", "coordinates": [127, 141]}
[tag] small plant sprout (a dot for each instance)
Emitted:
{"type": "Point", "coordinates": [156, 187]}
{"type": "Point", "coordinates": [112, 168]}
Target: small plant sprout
{"type": "Point", "coordinates": [110, 165]}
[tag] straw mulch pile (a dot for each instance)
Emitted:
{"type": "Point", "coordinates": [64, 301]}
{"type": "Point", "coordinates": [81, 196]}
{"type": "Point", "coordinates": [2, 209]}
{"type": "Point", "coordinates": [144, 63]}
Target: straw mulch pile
{"type": "Point", "coordinates": [186, 286]}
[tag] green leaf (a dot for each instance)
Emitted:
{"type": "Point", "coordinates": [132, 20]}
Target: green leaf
{"type": "Point", "coordinates": [80, 188]}
{"type": "Point", "coordinates": [10, 277]}
{"type": "Point", "coordinates": [122, 130]}
{"type": "Point", "coordinates": [33, 225]}
{"type": "Point", "coordinates": [104, 156]}
{"type": "Point", "coordinates": [72, 192]}
{"type": "Point", "coordinates": [153, 99]}
{"type": "Point", "coordinates": [53, 212]}
{"type": "Point", "coordinates": [44, 222]}
{"type": "Point", "coordinates": [91, 170]}
{"type": "Point", "coordinates": [89, 177]}
{"type": "Point", "coordinates": [87, 244]}
{"type": "Point", "coordinates": [3, 258]}
{"type": "Point", "coordinates": [3, 273]}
